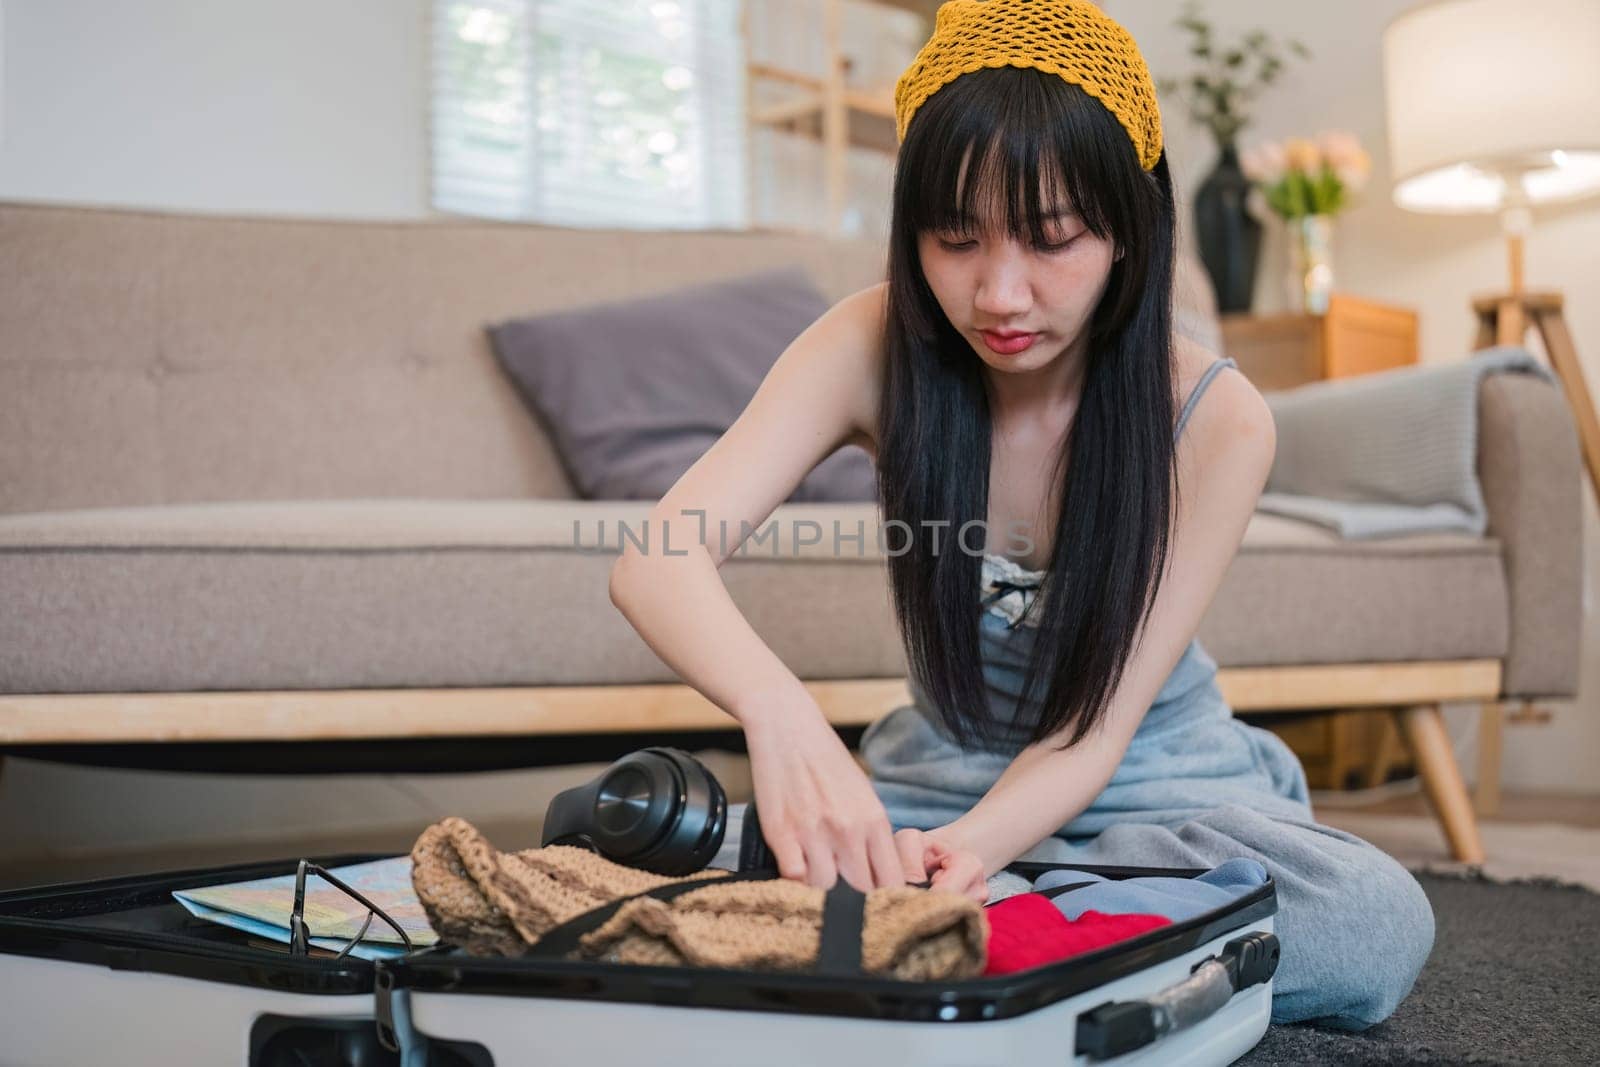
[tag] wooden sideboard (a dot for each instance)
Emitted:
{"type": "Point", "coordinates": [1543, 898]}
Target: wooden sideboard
{"type": "Point", "coordinates": [1355, 336]}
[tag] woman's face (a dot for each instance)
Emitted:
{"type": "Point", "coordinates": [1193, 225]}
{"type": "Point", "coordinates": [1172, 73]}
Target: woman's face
{"type": "Point", "coordinates": [986, 280]}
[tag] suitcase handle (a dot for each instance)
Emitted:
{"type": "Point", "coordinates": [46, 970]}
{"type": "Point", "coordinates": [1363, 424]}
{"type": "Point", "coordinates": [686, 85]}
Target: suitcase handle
{"type": "Point", "coordinates": [1120, 1026]}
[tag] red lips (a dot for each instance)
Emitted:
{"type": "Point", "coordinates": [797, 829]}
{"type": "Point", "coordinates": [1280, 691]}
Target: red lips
{"type": "Point", "coordinates": [1008, 342]}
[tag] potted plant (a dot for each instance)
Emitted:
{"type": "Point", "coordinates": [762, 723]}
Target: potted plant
{"type": "Point", "coordinates": [1218, 93]}
{"type": "Point", "coordinates": [1307, 183]}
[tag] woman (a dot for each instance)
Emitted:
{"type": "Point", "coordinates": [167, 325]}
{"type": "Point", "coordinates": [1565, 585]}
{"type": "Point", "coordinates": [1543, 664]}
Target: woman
{"type": "Point", "coordinates": [1017, 372]}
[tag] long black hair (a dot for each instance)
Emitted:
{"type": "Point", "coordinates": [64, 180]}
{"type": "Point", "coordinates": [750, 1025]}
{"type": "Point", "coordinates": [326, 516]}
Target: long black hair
{"type": "Point", "coordinates": [1113, 474]}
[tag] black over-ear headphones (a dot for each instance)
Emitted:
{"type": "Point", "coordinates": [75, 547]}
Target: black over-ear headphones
{"type": "Point", "coordinates": [658, 809]}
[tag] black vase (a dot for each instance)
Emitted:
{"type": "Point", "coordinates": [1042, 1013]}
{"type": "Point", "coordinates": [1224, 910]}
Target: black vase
{"type": "Point", "coordinates": [1228, 236]}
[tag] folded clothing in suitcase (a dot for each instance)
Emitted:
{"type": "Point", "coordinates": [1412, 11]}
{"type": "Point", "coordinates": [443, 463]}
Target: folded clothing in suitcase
{"type": "Point", "coordinates": [117, 971]}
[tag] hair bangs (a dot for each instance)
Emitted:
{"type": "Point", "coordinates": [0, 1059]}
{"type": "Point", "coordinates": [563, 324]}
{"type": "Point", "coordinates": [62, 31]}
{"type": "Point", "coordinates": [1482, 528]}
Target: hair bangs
{"type": "Point", "coordinates": [1039, 147]}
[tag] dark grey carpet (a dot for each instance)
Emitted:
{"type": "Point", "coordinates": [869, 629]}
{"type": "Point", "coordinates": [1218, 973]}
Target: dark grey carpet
{"type": "Point", "coordinates": [1514, 978]}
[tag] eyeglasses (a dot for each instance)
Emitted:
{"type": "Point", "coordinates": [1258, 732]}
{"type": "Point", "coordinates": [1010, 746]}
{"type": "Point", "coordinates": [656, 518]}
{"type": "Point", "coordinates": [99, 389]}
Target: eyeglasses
{"type": "Point", "coordinates": [300, 935]}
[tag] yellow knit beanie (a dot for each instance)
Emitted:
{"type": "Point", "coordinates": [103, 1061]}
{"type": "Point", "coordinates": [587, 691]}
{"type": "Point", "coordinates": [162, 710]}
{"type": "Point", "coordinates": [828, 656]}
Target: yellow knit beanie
{"type": "Point", "coordinates": [1073, 39]}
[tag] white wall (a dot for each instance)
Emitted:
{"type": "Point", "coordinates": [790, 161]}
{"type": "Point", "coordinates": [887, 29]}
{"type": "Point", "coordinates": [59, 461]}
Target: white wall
{"type": "Point", "coordinates": [316, 109]}
{"type": "Point", "coordinates": [286, 107]}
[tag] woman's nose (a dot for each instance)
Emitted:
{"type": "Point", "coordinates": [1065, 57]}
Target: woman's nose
{"type": "Point", "coordinates": [1003, 287]}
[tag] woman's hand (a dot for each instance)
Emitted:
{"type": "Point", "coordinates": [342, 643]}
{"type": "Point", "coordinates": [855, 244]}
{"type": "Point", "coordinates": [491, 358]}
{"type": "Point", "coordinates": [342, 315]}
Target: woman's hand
{"type": "Point", "coordinates": [819, 814]}
{"type": "Point", "coordinates": [937, 854]}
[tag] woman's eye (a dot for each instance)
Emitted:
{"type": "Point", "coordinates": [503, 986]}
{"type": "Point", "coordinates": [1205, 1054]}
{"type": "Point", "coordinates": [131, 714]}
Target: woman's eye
{"type": "Point", "coordinates": [956, 245]}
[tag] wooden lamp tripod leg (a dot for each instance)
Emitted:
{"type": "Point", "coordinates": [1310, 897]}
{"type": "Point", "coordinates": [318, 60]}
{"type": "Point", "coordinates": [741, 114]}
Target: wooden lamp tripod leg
{"type": "Point", "coordinates": [1564, 357]}
{"type": "Point", "coordinates": [1544, 312]}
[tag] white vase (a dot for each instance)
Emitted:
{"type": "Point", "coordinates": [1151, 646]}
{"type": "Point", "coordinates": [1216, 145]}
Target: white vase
{"type": "Point", "coordinates": [1310, 279]}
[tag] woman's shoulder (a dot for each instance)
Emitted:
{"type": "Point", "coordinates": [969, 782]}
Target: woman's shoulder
{"type": "Point", "coordinates": [1231, 413]}
{"type": "Point", "coordinates": [861, 322]}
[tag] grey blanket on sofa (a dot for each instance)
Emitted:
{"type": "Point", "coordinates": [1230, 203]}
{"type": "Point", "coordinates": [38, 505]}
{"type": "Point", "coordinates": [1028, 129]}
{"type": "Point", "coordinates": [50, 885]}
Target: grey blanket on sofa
{"type": "Point", "coordinates": [1388, 453]}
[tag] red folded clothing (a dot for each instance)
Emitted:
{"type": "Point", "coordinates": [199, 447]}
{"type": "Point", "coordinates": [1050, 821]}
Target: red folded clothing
{"type": "Point", "coordinates": [1027, 930]}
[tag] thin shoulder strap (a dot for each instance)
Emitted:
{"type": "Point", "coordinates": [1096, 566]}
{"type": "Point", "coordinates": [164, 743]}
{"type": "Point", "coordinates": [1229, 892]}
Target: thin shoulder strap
{"type": "Point", "coordinates": [1205, 380]}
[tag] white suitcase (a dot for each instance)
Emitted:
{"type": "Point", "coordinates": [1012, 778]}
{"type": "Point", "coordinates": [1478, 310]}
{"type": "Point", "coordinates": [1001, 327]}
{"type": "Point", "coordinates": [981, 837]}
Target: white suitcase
{"type": "Point", "coordinates": [117, 972]}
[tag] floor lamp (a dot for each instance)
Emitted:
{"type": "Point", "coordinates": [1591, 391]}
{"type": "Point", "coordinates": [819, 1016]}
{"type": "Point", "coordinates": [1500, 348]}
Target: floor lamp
{"type": "Point", "coordinates": [1494, 106]}
{"type": "Point", "coordinates": [1491, 107]}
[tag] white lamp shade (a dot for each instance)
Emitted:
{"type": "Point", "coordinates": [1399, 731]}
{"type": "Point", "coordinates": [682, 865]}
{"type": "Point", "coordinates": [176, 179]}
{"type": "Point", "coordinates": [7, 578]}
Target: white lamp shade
{"type": "Point", "coordinates": [1480, 91]}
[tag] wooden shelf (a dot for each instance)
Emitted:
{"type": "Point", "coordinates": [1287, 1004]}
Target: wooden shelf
{"type": "Point", "coordinates": [868, 101]}
{"type": "Point", "coordinates": [864, 128]}
{"type": "Point", "coordinates": [826, 108]}
{"type": "Point", "coordinates": [809, 104]}
{"type": "Point", "coordinates": [783, 74]}
{"type": "Point", "coordinates": [925, 8]}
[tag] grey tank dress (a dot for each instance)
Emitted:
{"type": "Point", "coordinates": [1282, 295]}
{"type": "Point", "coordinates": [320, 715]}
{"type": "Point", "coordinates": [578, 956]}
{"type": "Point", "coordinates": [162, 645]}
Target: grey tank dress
{"type": "Point", "coordinates": [1195, 788]}
{"type": "Point", "coordinates": [926, 779]}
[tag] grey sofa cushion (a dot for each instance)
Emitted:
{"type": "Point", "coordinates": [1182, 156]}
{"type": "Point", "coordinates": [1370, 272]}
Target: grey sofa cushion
{"type": "Point", "coordinates": [634, 392]}
{"type": "Point", "coordinates": [432, 593]}
{"type": "Point", "coordinates": [1300, 594]}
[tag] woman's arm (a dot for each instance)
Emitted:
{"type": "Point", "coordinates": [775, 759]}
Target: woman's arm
{"type": "Point", "coordinates": [1223, 461]}
{"type": "Point", "coordinates": [819, 395]}
{"type": "Point", "coordinates": [819, 813]}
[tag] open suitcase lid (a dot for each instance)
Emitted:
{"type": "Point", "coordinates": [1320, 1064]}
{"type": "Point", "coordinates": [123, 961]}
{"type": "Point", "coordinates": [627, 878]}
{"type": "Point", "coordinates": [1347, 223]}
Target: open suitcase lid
{"type": "Point", "coordinates": [133, 923]}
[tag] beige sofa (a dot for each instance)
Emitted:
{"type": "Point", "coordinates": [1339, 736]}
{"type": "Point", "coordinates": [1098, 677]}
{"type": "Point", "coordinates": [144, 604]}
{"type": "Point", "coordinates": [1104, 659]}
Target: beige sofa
{"type": "Point", "coordinates": [261, 480]}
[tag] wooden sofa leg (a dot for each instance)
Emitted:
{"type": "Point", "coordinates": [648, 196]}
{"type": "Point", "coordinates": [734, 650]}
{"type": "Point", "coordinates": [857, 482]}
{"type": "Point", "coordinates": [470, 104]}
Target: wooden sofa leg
{"type": "Point", "coordinates": [1424, 731]}
{"type": "Point", "coordinates": [1389, 751]}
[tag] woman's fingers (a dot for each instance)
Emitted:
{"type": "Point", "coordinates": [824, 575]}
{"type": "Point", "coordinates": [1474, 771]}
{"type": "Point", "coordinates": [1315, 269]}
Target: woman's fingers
{"type": "Point", "coordinates": [786, 850]}
{"type": "Point", "coordinates": [887, 870]}
{"type": "Point", "coordinates": [819, 858]}
{"type": "Point", "coordinates": [962, 872]}
{"type": "Point", "coordinates": [821, 871]}
{"type": "Point", "coordinates": [912, 846]}
{"type": "Point", "coordinates": [866, 859]}
{"type": "Point", "coordinates": [865, 854]}
{"type": "Point", "coordinates": [855, 865]}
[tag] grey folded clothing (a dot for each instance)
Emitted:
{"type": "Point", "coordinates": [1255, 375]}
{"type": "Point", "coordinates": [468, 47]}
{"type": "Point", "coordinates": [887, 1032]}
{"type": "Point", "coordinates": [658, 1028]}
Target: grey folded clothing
{"type": "Point", "coordinates": [1005, 884]}
{"type": "Point", "coordinates": [1388, 453]}
{"type": "Point", "coordinates": [1178, 899]}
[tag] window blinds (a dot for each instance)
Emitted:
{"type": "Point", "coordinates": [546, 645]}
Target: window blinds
{"type": "Point", "coordinates": [621, 113]}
